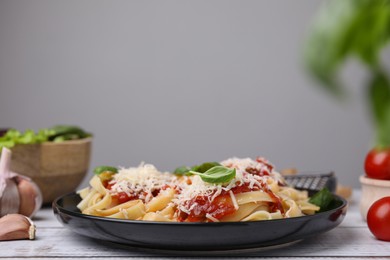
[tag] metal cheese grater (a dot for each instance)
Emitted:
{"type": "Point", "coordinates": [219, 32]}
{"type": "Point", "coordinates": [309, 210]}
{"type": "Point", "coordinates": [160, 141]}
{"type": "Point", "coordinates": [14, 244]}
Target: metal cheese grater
{"type": "Point", "coordinates": [312, 181]}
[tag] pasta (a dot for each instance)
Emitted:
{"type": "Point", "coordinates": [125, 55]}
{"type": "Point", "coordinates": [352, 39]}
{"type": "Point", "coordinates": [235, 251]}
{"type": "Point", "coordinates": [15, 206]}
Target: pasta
{"type": "Point", "coordinates": [256, 192]}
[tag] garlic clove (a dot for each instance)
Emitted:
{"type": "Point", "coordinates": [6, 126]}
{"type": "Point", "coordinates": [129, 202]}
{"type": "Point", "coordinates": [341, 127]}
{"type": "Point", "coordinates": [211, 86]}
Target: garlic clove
{"type": "Point", "coordinates": [18, 193]}
{"type": "Point", "coordinates": [27, 195]}
{"type": "Point", "coordinates": [16, 226]}
{"type": "Point", "coordinates": [38, 198]}
{"type": "Point", "coordinates": [10, 201]}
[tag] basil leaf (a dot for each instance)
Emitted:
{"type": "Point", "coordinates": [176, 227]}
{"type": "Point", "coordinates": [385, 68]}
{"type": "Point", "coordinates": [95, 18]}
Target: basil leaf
{"type": "Point", "coordinates": [182, 170]}
{"type": "Point", "coordinates": [217, 174]}
{"type": "Point", "coordinates": [185, 170]}
{"type": "Point", "coordinates": [349, 28]}
{"type": "Point", "coordinates": [379, 97]}
{"type": "Point", "coordinates": [204, 166]}
{"type": "Point", "coordinates": [343, 29]}
{"type": "Point", "coordinates": [100, 169]}
{"type": "Point", "coordinates": [325, 200]}
{"type": "Point", "coordinates": [67, 132]}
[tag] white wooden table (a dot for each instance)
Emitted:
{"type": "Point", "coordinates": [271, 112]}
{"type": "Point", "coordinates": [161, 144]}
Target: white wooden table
{"type": "Point", "coordinates": [350, 240]}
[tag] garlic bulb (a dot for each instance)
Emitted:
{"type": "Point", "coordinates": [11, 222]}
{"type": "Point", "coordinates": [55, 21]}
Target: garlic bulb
{"type": "Point", "coordinates": [18, 193]}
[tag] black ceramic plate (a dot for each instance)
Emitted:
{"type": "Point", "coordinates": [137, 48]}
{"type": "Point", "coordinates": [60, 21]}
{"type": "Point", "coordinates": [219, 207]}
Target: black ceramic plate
{"type": "Point", "coordinates": [196, 236]}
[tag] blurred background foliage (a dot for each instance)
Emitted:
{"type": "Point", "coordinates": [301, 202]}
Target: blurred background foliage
{"type": "Point", "coordinates": [353, 28]}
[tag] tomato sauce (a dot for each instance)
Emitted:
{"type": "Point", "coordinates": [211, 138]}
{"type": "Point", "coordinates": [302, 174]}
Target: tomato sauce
{"type": "Point", "coordinates": [269, 166]}
{"type": "Point", "coordinates": [276, 203]}
{"type": "Point", "coordinates": [221, 206]}
{"type": "Point", "coordinates": [257, 172]}
{"type": "Point", "coordinates": [122, 197]}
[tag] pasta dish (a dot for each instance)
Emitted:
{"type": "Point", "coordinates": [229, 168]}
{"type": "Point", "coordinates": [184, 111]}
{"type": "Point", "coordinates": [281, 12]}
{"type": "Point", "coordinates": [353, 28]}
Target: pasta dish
{"type": "Point", "coordinates": [232, 190]}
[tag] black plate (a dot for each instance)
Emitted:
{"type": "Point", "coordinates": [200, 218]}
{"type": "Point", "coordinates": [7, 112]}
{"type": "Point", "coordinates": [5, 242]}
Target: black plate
{"type": "Point", "coordinates": [196, 236]}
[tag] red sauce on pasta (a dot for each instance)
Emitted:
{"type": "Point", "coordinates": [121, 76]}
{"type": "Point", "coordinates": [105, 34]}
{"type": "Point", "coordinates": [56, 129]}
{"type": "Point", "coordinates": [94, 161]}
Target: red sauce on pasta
{"type": "Point", "coordinates": [258, 172]}
{"type": "Point", "coordinates": [243, 188]}
{"type": "Point", "coordinates": [273, 206]}
{"type": "Point", "coordinates": [276, 204]}
{"type": "Point", "coordinates": [267, 164]}
{"type": "Point", "coordinates": [122, 197]}
{"type": "Point", "coordinates": [221, 206]}
{"type": "Point", "coordinates": [201, 207]}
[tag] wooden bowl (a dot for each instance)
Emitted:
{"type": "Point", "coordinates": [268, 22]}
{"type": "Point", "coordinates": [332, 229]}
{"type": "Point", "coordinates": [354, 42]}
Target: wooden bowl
{"type": "Point", "coordinates": [372, 190]}
{"type": "Point", "coordinates": [57, 168]}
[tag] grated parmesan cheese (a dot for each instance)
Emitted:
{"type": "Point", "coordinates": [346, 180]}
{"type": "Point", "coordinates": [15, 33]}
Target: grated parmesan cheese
{"type": "Point", "coordinates": [124, 212]}
{"type": "Point", "coordinates": [235, 204]}
{"type": "Point", "coordinates": [211, 218]}
{"type": "Point", "coordinates": [142, 181]}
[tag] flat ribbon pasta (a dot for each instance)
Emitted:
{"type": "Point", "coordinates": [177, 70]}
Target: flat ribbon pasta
{"type": "Point", "coordinates": [256, 193]}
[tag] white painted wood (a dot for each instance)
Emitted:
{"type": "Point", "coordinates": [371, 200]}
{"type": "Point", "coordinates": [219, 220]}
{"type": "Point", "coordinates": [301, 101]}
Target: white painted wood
{"type": "Point", "coordinates": [351, 240]}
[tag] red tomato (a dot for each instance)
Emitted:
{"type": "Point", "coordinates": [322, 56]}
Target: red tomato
{"type": "Point", "coordinates": [378, 219]}
{"type": "Point", "coordinates": [377, 164]}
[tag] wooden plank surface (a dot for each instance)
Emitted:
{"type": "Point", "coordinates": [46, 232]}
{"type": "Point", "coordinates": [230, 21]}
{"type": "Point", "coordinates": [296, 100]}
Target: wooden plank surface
{"type": "Point", "coordinates": [350, 240]}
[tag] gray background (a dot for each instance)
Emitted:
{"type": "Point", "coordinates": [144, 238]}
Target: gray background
{"type": "Point", "coordinates": [179, 82]}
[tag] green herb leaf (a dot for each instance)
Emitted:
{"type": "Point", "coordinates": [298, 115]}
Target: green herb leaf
{"type": "Point", "coordinates": [100, 169]}
{"type": "Point", "coordinates": [12, 134]}
{"type": "Point", "coordinates": [13, 137]}
{"type": "Point", "coordinates": [342, 29]}
{"type": "Point", "coordinates": [7, 144]}
{"type": "Point", "coordinates": [217, 174]}
{"type": "Point", "coordinates": [353, 28]}
{"type": "Point", "coordinates": [325, 200]}
{"type": "Point", "coordinates": [379, 98]}
{"type": "Point", "coordinates": [27, 138]}
{"type": "Point", "coordinates": [66, 132]}
{"type": "Point", "coordinates": [56, 134]}
{"type": "Point", "coordinates": [204, 166]}
{"type": "Point", "coordinates": [182, 170]}
{"type": "Point", "coordinates": [185, 170]}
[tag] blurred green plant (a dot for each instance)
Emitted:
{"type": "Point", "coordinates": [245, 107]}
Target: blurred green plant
{"type": "Point", "coordinates": [57, 133]}
{"type": "Point", "coordinates": [360, 28]}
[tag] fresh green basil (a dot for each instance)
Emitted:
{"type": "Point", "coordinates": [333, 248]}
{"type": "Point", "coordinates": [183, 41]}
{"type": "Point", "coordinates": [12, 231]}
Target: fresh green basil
{"type": "Point", "coordinates": [185, 170]}
{"type": "Point", "coordinates": [379, 97]}
{"type": "Point", "coordinates": [204, 166]}
{"type": "Point", "coordinates": [100, 169]}
{"type": "Point", "coordinates": [182, 170]}
{"type": "Point", "coordinates": [353, 28]}
{"type": "Point", "coordinates": [343, 29]}
{"type": "Point", "coordinates": [217, 174]}
{"type": "Point", "coordinates": [325, 200]}
{"type": "Point", "coordinates": [61, 133]}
